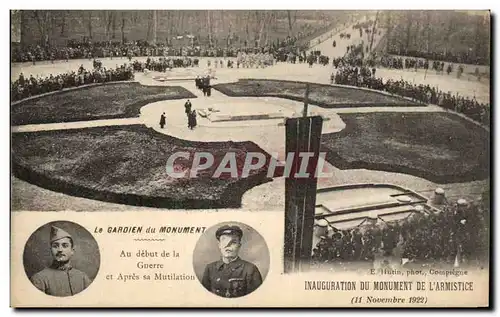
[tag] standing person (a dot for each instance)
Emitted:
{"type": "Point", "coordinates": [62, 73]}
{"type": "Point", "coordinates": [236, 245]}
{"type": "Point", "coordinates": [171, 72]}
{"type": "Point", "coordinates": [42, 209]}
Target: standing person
{"type": "Point", "coordinates": [231, 276]}
{"type": "Point", "coordinates": [187, 107]}
{"type": "Point", "coordinates": [163, 120]}
{"type": "Point", "coordinates": [61, 279]}
{"type": "Point", "coordinates": [194, 122]}
{"type": "Point", "coordinates": [192, 119]}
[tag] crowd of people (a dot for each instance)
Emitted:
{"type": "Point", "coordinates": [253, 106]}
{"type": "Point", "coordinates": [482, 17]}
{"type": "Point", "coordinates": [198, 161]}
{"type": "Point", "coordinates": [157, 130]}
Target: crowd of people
{"type": "Point", "coordinates": [251, 60]}
{"type": "Point", "coordinates": [203, 83]}
{"type": "Point", "coordinates": [388, 61]}
{"type": "Point", "coordinates": [422, 238]}
{"type": "Point", "coordinates": [456, 230]}
{"type": "Point", "coordinates": [441, 56]}
{"type": "Point", "coordinates": [163, 63]}
{"type": "Point", "coordinates": [26, 87]}
{"type": "Point", "coordinates": [115, 49]}
{"type": "Point", "coordinates": [365, 77]}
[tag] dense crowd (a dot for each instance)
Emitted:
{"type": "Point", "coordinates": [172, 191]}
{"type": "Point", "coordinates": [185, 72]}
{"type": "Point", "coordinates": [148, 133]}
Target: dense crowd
{"type": "Point", "coordinates": [423, 238]}
{"type": "Point", "coordinates": [415, 63]}
{"type": "Point", "coordinates": [440, 237]}
{"type": "Point", "coordinates": [441, 56]}
{"type": "Point", "coordinates": [163, 63]}
{"type": "Point", "coordinates": [32, 86]}
{"type": "Point", "coordinates": [365, 77]}
{"type": "Point", "coordinates": [109, 49]}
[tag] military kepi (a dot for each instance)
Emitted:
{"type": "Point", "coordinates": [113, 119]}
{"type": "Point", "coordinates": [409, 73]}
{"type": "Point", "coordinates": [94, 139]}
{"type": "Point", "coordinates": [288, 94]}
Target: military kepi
{"type": "Point", "coordinates": [58, 233]}
{"type": "Point", "coordinates": [229, 230]}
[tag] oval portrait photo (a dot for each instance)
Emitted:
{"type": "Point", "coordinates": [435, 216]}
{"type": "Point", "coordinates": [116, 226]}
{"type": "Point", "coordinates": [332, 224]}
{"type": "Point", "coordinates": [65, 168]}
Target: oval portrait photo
{"type": "Point", "coordinates": [61, 258]}
{"type": "Point", "coordinates": [231, 259]}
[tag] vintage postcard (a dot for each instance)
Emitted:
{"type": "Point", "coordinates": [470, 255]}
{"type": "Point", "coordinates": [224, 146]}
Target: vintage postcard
{"type": "Point", "coordinates": [250, 158]}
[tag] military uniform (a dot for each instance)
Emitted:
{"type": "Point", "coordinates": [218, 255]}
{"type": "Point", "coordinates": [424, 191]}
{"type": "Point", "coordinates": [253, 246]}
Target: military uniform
{"type": "Point", "coordinates": [233, 279]}
{"type": "Point", "coordinates": [60, 279]}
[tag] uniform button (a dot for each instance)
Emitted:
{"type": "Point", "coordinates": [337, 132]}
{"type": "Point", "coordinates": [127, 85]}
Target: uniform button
{"type": "Point", "coordinates": [218, 279]}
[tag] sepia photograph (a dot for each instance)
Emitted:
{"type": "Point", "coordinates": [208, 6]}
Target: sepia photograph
{"type": "Point", "coordinates": [61, 258]}
{"type": "Point", "coordinates": [231, 260]}
{"type": "Point", "coordinates": [367, 133]}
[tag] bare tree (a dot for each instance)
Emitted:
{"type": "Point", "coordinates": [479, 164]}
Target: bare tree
{"type": "Point", "coordinates": [247, 31]}
{"type": "Point", "coordinates": [428, 29]}
{"type": "Point", "coordinates": [169, 26]}
{"type": "Point", "coordinates": [291, 21]}
{"type": "Point", "coordinates": [389, 29]}
{"type": "Point", "coordinates": [150, 24]}
{"type": "Point", "coordinates": [63, 22]}
{"type": "Point", "coordinates": [373, 30]}
{"type": "Point", "coordinates": [44, 23]}
{"type": "Point", "coordinates": [263, 23]}
{"type": "Point", "coordinates": [209, 27]}
{"type": "Point", "coordinates": [271, 19]}
{"type": "Point", "coordinates": [89, 24]}
{"type": "Point", "coordinates": [107, 18]}
{"type": "Point", "coordinates": [155, 25]}
{"type": "Point", "coordinates": [123, 16]}
{"type": "Point", "coordinates": [113, 26]}
{"type": "Point", "coordinates": [228, 38]}
{"type": "Point", "coordinates": [451, 27]}
{"type": "Point", "coordinates": [409, 20]}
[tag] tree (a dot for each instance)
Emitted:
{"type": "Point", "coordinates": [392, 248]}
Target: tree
{"type": "Point", "coordinates": [113, 26]}
{"type": "Point", "coordinates": [150, 24]}
{"type": "Point", "coordinates": [63, 22]}
{"type": "Point", "coordinates": [449, 31]}
{"type": "Point", "coordinates": [373, 30]}
{"type": "Point", "coordinates": [270, 22]}
{"type": "Point", "coordinates": [291, 21]}
{"type": "Point", "coordinates": [89, 24]}
{"type": "Point", "coordinates": [45, 24]}
{"type": "Point", "coordinates": [107, 18]}
{"type": "Point", "coordinates": [389, 29]}
{"type": "Point", "coordinates": [123, 16]}
{"type": "Point", "coordinates": [209, 27]}
{"type": "Point", "coordinates": [409, 20]}
{"type": "Point", "coordinates": [246, 28]}
{"type": "Point", "coordinates": [428, 29]}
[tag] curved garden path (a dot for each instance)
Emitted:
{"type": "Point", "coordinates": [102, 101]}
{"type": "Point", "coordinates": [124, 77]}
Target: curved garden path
{"type": "Point", "coordinates": [270, 137]}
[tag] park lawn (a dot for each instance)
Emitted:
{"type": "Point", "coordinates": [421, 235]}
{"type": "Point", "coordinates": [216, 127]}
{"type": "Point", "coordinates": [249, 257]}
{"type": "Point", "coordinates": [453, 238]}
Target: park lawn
{"type": "Point", "coordinates": [440, 147]}
{"type": "Point", "coordinates": [325, 96]}
{"type": "Point", "coordinates": [109, 101]}
{"type": "Point", "coordinates": [127, 165]}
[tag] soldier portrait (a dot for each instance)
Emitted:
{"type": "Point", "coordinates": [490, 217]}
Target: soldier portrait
{"type": "Point", "coordinates": [235, 263]}
{"type": "Point", "coordinates": [61, 259]}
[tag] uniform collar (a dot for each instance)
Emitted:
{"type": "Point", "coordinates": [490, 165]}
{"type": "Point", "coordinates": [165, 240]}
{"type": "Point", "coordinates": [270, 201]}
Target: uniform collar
{"type": "Point", "coordinates": [234, 263]}
{"type": "Point", "coordinates": [61, 266]}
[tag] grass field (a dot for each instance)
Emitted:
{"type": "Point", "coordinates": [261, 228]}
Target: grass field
{"type": "Point", "coordinates": [440, 147]}
{"type": "Point", "coordinates": [128, 165]}
{"type": "Point", "coordinates": [120, 100]}
{"type": "Point", "coordinates": [325, 96]}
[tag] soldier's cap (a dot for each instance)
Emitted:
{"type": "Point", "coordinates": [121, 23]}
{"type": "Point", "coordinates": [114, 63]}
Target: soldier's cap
{"type": "Point", "coordinates": [229, 230]}
{"type": "Point", "coordinates": [58, 233]}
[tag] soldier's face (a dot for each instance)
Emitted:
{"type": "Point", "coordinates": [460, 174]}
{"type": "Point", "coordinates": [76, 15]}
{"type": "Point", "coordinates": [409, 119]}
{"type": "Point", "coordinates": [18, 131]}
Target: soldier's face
{"type": "Point", "coordinates": [62, 249]}
{"type": "Point", "coordinates": [229, 246]}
